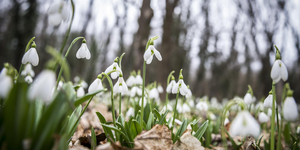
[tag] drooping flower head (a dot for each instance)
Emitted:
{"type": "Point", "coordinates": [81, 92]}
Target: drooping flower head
{"type": "Point", "coordinates": [148, 55]}
{"type": "Point", "coordinates": [171, 84]}
{"type": "Point", "coordinates": [154, 94]}
{"type": "Point", "coordinates": [58, 12]}
{"type": "Point", "coordinates": [42, 87]}
{"type": "Point", "coordinates": [244, 124]}
{"type": "Point", "coordinates": [269, 100]}
{"type": "Point", "coordinates": [80, 92]}
{"type": "Point", "coordinates": [202, 106]}
{"type": "Point", "coordinates": [96, 85]}
{"type": "Point", "coordinates": [120, 86]}
{"type": "Point", "coordinates": [279, 70]}
{"type": "Point", "coordinates": [180, 86]}
{"type": "Point", "coordinates": [248, 98]}
{"type": "Point", "coordinates": [28, 71]}
{"type": "Point", "coordinates": [135, 91]}
{"type": "Point", "coordinates": [114, 67]}
{"type": "Point", "coordinates": [139, 79]}
{"type": "Point", "coordinates": [290, 109]}
{"type": "Point", "coordinates": [6, 83]}
{"type": "Point", "coordinates": [31, 56]}
{"type": "Point", "coordinates": [263, 118]}
{"type": "Point", "coordinates": [83, 51]}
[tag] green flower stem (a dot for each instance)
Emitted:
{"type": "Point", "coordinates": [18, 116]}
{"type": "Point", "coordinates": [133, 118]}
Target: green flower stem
{"type": "Point", "coordinates": [150, 104]}
{"type": "Point", "coordinates": [69, 29]}
{"type": "Point", "coordinates": [112, 98]}
{"type": "Point", "coordinates": [175, 111]}
{"type": "Point", "coordinates": [279, 131]}
{"type": "Point", "coordinates": [143, 95]}
{"type": "Point", "coordinates": [66, 55]}
{"type": "Point", "coordinates": [168, 81]}
{"type": "Point", "coordinates": [273, 118]}
{"type": "Point", "coordinates": [26, 49]}
{"type": "Point", "coordinates": [120, 105]}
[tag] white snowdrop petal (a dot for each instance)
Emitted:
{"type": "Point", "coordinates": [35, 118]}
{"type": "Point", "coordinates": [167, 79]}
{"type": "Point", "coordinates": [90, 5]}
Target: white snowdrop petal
{"type": "Point", "coordinates": [55, 19]}
{"type": "Point", "coordinates": [28, 79]}
{"type": "Point", "coordinates": [283, 72]}
{"type": "Point", "coordinates": [124, 88]}
{"type": "Point", "coordinates": [130, 112]}
{"type": "Point", "coordinates": [226, 121]}
{"type": "Point", "coordinates": [65, 12]}
{"type": "Point", "coordinates": [95, 86]}
{"type": "Point", "coordinates": [248, 98]}
{"type": "Point", "coordinates": [263, 118]}
{"type": "Point", "coordinates": [186, 108]}
{"type": "Point", "coordinates": [34, 57]}
{"type": "Point", "coordinates": [149, 60]}
{"type": "Point", "coordinates": [114, 75]}
{"type": "Point", "coordinates": [275, 71]}
{"type": "Point", "coordinates": [268, 101]}
{"type": "Point", "coordinates": [138, 80]}
{"type": "Point", "coordinates": [147, 54]}
{"type": "Point", "coordinates": [157, 55]}
{"type": "Point", "coordinates": [175, 88]}
{"type": "Point", "coordinates": [6, 83]}
{"type": "Point", "coordinates": [80, 92]}
{"type": "Point", "coordinates": [290, 109]}
{"type": "Point", "coordinates": [116, 88]}
{"type": "Point", "coordinates": [130, 81]}
{"type": "Point", "coordinates": [109, 69]}
{"type": "Point", "coordinates": [170, 86]}
{"type": "Point", "coordinates": [54, 8]}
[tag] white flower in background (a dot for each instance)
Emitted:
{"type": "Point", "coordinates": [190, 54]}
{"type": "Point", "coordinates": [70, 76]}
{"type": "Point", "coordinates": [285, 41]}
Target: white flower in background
{"type": "Point", "coordinates": [138, 80]}
{"type": "Point", "coordinates": [244, 124]}
{"type": "Point", "coordinates": [226, 121]}
{"type": "Point", "coordinates": [80, 92]}
{"type": "Point", "coordinates": [114, 67]}
{"type": "Point", "coordinates": [148, 55]}
{"type": "Point", "coordinates": [168, 107]}
{"type": "Point", "coordinates": [180, 85]}
{"type": "Point", "coordinates": [191, 103]}
{"type": "Point", "coordinates": [57, 13]}
{"type": "Point", "coordinates": [76, 79]}
{"type": "Point", "coordinates": [248, 99]}
{"type": "Point", "coordinates": [96, 85]}
{"type": "Point", "coordinates": [130, 81]}
{"type": "Point", "coordinates": [189, 94]}
{"type": "Point", "coordinates": [269, 112]}
{"type": "Point", "coordinates": [290, 109]}
{"type": "Point", "coordinates": [60, 85]}
{"type": "Point", "coordinates": [212, 116]}
{"type": "Point", "coordinates": [28, 71]}
{"type": "Point", "coordinates": [120, 86]}
{"type": "Point", "coordinates": [170, 86]}
{"type": "Point", "coordinates": [179, 108]}
{"type": "Point", "coordinates": [135, 91]}
{"type": "Point", "coordinates": [31, 56]}
{"type": "Point", "coordinates": [83, 51]}
{"type": "Point", "coordinates": [269, 101]}
{"type": "Point", "coordinates": [178, 122]}
{"type": "Point", "coordinates": [130, 112]}
{"type": "Point", "coordinates": [6, 83]}
{"type": "Point", "coordinates": [263, 118]}
{"type": "Point", "coordinates": [153, 94]}
{"type": "Point", "coordinates": [83, 84]}
{"type": "Point", "coordinates": [42, 87]}
{"type": "Point", "coordinates": [202, 106]}
{"type": "Point", "coordinates": [298, 130]}
{"type": "Point", "coordinates": [279, 71]}
{"type": "Point", "coordinates": [28, 79]}
{"type": "Point", "coordinates": [160, 89]}
{"type": "Point", "coordinates": [185, 108]}
{"type": "Point", "coordinates": [215, 103]}
{"type": "Point", "coordinates": [259, 106]}
{"type": "Point", "coordinates": [145, 102]}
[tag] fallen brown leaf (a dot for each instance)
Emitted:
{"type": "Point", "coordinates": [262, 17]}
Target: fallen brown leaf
{"type": "Point", "coordinates": [188, 142]}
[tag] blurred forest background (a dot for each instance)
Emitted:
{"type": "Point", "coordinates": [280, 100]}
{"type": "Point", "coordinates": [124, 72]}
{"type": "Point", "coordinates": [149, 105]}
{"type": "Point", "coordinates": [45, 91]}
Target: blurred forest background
{"type": "Point", "coordinates": [222, 45]}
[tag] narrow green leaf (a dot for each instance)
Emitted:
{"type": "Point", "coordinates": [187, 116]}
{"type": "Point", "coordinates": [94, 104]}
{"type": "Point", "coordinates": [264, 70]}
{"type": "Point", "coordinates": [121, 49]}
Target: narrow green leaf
{"type": "Point", "coordinates": [86, 97]}
{"type": "Point", "coordinates": [107, 131]}
{"type": "Point", "coordinates": [137, 126]}
{"type": "Point", "coordinates": [163, 118]}
{"type": "Point", "coordinates": [180, 130]}
{"type": "Point", "coordinates": [149, 123]}
{"type": "Point", "coordinates": [258, 143]}
{"type": "Point", "coordinates": [94, 140]}
{"type": "Point", "coordinates": [117, 130]}
{"type": "Point", "coordinates": [157, 114]}
{"type": "Point", "coordinates": [201, 130]}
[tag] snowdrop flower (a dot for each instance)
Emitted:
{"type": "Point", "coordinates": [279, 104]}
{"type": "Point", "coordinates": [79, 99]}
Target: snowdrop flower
{"type": "Point", "coordinates": [270, 112]}
{"type": "Point", "coordinates": [269, 101]}
{"type": "Point", "coordinates": [179, 108]}
{"type": "Point", "coordinates": [138, 80]}
{"type": "Point", "coordinates": [28, 71]}
{"type": "Point", "coordinates": [57, 13]}
{"type": "Point", "coordinates": [148, 55]}
{"type": "Point", "coordinates": [145, 102]}
{"type": "Point", "coordinates": [212, 116]}
{"type": "Point", "coordinates": [83, 51]}
{"type": "Point", "coordinates": [189, 94]}
{"type": "Point", "coordinates": [191, 103]}
{"type": "Point", "coordinates": [160, 89]}
{"type": "Point", "coordinates": [259, 106]}
{"type": "Point", "coordinates": [178, 122]}
{"type": "Point", "coordinates": [130, 81]}
{"type": "Point", "coordinates": [83, 84]}
{"type": "Point", "coordinates": [135, 91]}
{"type": "Point", "coordinates": [263, 118]}
{"type": "Point", "coordinates": [226, 121]}
{"type": "Point", "coordinates": [42, 87]}
{"type": "Point", "coordinates": [80, 92]}
{"type": "Point", "coordinates": [185, 108]}
{"type": "Point", "coordinates": [31, 56]}
{"type": "Point", "coordinates": [153, 94]}
{"type": "Point", "coordinates": [130, 112]}
{"type": "Point", "coordinates": [248, 99]}
{"type": "Point", "coordinates": [290, 109]}
{"type": "Point", "coordinates": [95, 86]}
{"type": "Point", "coordinates": [120, 86]}
{"type": "Point", "coordinates": [60, 84]}
{"type": "Point", "coordinates": [6, 83]}
{"type": "Point", "coordinates": [244, 124]}
{"type": "Point", "coordinates": [28, 79]}
{"type": "Point", "coordinates": [180, 85]}
{"type": "Point", "coordinates": [202, 106]}
{"type": "Point", "coordinates": [114, 67]}
{"type": "Point", "coordinates": [279, 71]}
{"type": "Point", "coordinates": [170, 86]}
